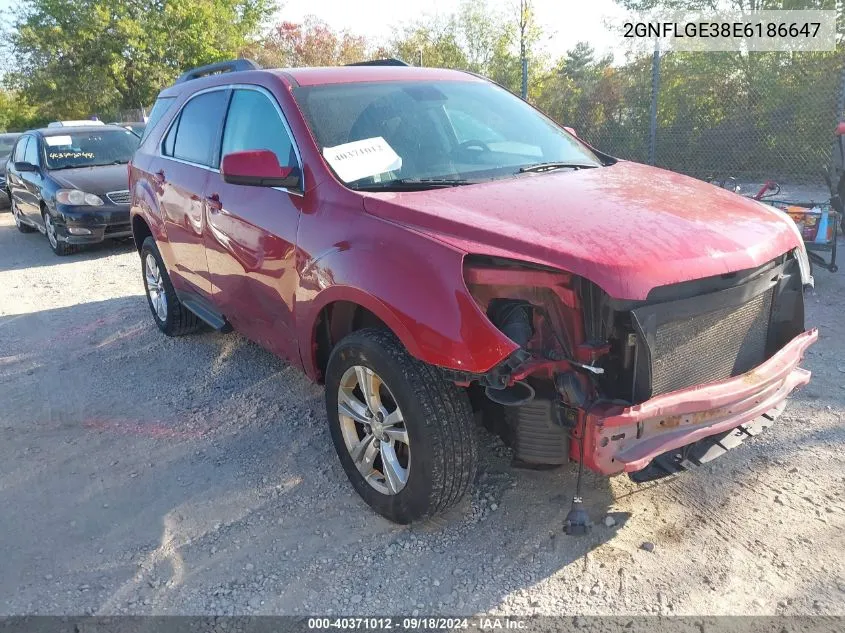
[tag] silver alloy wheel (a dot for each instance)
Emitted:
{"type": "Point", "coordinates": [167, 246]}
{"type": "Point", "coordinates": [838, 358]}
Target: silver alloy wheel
{"type": "Point", "coordinates": [155, 287]}
{"type": "Point", "coordinates": [374, 430]}
{"type": "Point", "coordinates": [51, 230]}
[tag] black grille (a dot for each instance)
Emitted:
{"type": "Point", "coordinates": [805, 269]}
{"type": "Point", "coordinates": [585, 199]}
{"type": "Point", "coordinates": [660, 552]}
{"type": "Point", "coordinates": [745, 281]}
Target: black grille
{"type": "Point", "coordinates": [706, 347]}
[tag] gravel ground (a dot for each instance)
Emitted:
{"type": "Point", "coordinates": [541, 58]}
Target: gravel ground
{"type": "Point", "coordinates": [147, 475]}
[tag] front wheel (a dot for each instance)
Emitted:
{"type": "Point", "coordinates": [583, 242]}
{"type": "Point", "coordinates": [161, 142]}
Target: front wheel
{"type": "Point", "coordinates": [59, 247]}
{"type": "Point", "coordinates": [404, 434]}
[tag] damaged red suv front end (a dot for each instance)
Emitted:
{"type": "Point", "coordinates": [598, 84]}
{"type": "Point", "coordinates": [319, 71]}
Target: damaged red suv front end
{"type": "Point", "coordinates": [648, 387]}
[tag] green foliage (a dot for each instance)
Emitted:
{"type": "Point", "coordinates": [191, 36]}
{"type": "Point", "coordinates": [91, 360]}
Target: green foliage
{"type": "Point", "coordinates": [83, 57]}
{"type": "Point", "coordinates": [17, 114]}
{"type": "Point", "coordinates": [476, 38]}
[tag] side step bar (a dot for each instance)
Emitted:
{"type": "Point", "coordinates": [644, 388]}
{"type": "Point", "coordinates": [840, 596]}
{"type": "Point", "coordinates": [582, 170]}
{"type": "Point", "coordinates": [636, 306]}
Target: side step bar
{"type": "Point", "coordinates": [203, 310]}
{"type": "Point", "coordinates": [704, 450]}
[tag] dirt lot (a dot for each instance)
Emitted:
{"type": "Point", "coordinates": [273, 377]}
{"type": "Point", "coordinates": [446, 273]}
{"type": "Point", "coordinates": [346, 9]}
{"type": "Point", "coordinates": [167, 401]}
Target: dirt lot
{"type": "Point", "coordinates": [140, 474]}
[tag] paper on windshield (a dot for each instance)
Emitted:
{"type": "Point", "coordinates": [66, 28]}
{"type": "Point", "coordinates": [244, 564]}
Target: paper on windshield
{"type": "Point", "coordinates": [56, 141]}
{"type": "Point", "coordinates": [361, 159]}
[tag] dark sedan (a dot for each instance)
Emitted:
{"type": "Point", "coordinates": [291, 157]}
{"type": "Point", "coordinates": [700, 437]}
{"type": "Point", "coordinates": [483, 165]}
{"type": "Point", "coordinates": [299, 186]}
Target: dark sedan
{"type": "Point", "coordinates": [71, 184]}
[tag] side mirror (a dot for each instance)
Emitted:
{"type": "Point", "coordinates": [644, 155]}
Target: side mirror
{"type": "Point", "coordinates": [24, 166]}
{"type": "Point", "coordinates": [840, 129]}
{"type": "Point", "coordinates": [571, 130]}
{"type": "Point", "coordinates": [257, 168]}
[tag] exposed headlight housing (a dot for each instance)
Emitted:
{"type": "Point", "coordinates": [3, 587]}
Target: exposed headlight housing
{"type": "Point", "coordinates": [800, 251]}
{"type": "Point", "coordinates": [78, 198]}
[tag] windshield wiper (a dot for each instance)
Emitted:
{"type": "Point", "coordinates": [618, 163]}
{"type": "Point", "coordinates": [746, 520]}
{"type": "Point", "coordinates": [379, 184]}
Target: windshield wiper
{"type": "Point", "coordinates": [116, 162]}
{"type": "Point", "coordinates": [540, 167]}
{"type": "Point", "coordinates": [414, 184]}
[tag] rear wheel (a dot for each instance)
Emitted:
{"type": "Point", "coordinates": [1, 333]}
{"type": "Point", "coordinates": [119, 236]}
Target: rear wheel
{"type": "Point", "coordinates": [404, 434]}
{"type": "Point", "coordinates": [170, 315]}
{"type": "Point", "coordinates": [22, 226]}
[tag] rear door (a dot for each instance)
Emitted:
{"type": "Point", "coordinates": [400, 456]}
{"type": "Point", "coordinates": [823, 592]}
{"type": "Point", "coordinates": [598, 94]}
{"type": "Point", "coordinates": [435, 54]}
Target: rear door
{"type": "Point", "coordinates": [189, 152]}
{"type": "Point", "coordinates": [251, 234]}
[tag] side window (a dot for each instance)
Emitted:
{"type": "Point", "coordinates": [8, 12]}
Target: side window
{"type": "Point", "coordinates": [254, 123]}
{"type": "Point", "coordinates": [31, 154]}
{"type": "Point", "coordinates": [198, 128]}
{"type": "Point", "coordinates": [167, 148]}
{"type": "Point", "coordinates": [20, 149]}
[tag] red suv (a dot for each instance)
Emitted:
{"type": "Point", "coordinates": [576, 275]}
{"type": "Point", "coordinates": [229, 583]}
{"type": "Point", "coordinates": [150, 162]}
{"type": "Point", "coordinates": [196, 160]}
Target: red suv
{"type": "Point", "coordinates": [435, 250]}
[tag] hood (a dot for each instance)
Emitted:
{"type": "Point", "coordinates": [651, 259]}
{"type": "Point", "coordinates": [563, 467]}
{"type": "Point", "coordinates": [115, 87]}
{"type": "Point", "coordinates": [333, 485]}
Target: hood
{"type": "Point", "coordinates": [627, 227]}
{"type": "Point", "coordinates": [96, 180]}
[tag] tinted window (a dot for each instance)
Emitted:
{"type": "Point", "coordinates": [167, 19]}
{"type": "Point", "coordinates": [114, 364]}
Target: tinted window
{"type": "Point", "coordinates": [109, 146]}
{"type": "Point", "coordinates": [20, 149]}
{"type": "Point", "coordinates": [170, 139]}
{"type": "Point", "coordinates": [31, 153]}
{"type": "Point", "coordinates": [160, 107]}
{"type": "Point", "coordinates": [199, 126]}
{"type": "Point", "coordinates": [244, 132]}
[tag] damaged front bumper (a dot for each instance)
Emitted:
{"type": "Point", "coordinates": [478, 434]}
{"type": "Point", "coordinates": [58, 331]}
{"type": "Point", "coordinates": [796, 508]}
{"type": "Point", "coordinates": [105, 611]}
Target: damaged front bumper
{"type": "Point", "coordinates": [627, 439]}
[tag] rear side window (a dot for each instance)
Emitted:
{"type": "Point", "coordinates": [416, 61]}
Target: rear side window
{"type": "Point", "coordinates": [20, 149]}
{"type": "Point", "coordinates": [198, 128]}
{"type": "Point", "coordinates": [254, 123]}
{"type": "Point", "coordinates": [160, 108]}
{"type": "Point", "coordinates": [31, 154]}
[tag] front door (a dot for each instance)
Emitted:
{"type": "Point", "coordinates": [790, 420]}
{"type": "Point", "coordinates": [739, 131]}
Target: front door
{"type": "Point", "coordinates": [251, 232]}
{"type": "Point", "coordinates": [25, 185]}
{"type": "Point", "coordinates": [188, 159]}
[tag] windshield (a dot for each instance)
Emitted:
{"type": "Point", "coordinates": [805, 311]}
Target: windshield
{"type": "Point", "coordinates": [434, 131]}
{"type": "Point", "coordinates": [89, 149]}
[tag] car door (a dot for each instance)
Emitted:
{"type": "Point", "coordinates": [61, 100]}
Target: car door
{"type": "Point", "coordinates": [251, 231]}
{"type": "Point", "coordinates": [31, 182]}
{"type": "Point", "coordinates": [16, 184]}
{"type": "Point", "coordinates": [189, 152]}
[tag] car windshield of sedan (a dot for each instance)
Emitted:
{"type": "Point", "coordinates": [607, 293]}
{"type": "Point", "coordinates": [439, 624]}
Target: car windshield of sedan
{"type": "Point", "coordinates": [382, 134]}
{"type": "Point", "coordinates": [89, 149]}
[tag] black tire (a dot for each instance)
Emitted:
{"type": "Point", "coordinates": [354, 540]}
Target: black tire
{"type": "Point", "coordinates": [437, 417]}
{"type": "Point", "coordinates": [56, 245]}
{"type": "Point", "coordinates": [178, 319]}
{"type": "Point", "coordinates": [22, 227]}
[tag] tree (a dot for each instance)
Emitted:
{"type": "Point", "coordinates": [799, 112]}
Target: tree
{"type": "Point", "coordinates": [84, 57]}
{"type": "Point", "coordinates": [313, 43]}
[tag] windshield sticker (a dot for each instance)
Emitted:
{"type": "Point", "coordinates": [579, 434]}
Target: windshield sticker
{"type": "Point", "coordinates": [362, 159]}
{"type": "Point", "coordinates": [55, 141]}
{"type": "Point", "coordinates": [59, 155]}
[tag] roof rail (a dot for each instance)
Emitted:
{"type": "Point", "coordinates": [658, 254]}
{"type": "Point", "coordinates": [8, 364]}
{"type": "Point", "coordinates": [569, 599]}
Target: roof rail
{"type": "Point", "coordinates": [233, 65]}
{"type": "Point", "coordinates": [392, 61]}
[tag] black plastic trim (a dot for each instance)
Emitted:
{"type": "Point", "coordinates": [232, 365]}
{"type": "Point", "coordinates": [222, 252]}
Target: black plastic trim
{"type": "Point", "coordinates": [233, 65]}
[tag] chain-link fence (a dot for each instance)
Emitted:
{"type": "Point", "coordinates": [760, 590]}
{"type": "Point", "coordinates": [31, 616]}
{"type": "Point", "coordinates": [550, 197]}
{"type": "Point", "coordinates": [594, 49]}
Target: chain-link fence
{"type": "Point", "coordinates": [752, 117]}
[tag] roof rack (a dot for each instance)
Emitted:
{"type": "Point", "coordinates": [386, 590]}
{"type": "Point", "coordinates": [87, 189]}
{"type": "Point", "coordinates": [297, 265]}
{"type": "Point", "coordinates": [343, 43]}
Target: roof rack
{"type": "Point", "coordinates": [392, 61]}
{"type": "Point", "coordinates": [233, 65]}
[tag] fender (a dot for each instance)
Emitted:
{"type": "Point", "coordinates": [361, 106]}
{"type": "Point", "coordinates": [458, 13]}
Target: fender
{"type": "Point", "coordinates": [145, 204]}
{"type": "Point", "coordinates": [429, 308]}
